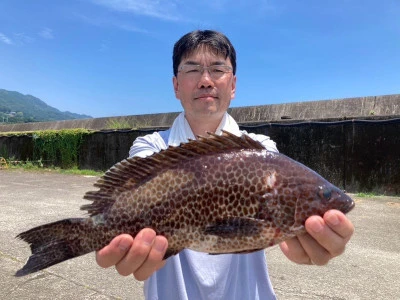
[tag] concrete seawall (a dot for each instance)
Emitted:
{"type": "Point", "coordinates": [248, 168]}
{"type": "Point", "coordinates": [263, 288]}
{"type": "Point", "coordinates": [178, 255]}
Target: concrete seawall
{"type": "Point", "coordinates": [337, 109]}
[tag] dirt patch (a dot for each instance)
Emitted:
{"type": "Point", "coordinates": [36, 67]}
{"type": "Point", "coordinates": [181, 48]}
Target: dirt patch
{"type": "Point", "coordinates": [393, 204]}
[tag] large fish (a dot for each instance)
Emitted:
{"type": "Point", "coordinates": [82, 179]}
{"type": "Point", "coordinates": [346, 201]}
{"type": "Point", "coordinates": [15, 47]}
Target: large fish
{"type": "Point", "coordinates": [216, 194]}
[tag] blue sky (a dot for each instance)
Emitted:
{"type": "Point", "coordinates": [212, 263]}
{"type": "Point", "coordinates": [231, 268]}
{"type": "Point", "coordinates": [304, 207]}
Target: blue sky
{"type": "Point", "coordinates": [114, 57]}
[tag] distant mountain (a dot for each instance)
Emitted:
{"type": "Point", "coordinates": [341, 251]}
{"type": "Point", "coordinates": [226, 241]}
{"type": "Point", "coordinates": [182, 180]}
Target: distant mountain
{"type": "Point", "coordinates": [18, 108]}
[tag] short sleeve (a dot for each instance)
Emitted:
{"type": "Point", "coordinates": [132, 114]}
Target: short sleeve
{"type": "Point", "coordinates": [269, 144]}
{"type": "Point", "coordinates": [147, 145]}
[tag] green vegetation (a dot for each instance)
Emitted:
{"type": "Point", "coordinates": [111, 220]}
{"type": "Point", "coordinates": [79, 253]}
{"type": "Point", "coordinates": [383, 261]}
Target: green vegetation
{"type": "Point", "coordinates": [131, 124]}
{"type": "Point", "coordinates": [366, 195]}
{"type": "Point", "coordinates": [26, 165]}
{"type": "Point", "coordinates": [52, 148]}
{"type": "Point", "coordinates": [58, 147]}
{"type": "Point", "coordinates": [18, 108]}
{"type": "Point", "coordinates": [115, 124]}
{"type": "Point", "coordinates": [38, 166]}
{"type": "Point", "coordinates": [76, 171]}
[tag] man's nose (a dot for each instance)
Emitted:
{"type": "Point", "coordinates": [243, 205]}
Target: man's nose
{"type": "Point", "coordinates": [205, 80]}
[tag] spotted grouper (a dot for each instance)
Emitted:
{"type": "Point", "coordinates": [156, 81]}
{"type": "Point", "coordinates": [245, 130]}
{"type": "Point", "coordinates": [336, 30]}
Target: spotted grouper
{"type": "Point", "coordinates": [216, 194]}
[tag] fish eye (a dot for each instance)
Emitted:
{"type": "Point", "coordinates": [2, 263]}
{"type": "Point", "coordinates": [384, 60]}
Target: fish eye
{"type": "Point", "coordinates": [325, 193]}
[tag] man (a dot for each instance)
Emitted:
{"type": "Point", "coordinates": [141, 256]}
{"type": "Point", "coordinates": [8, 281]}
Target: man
{"type": "Point", "coordinates": [204, 64]}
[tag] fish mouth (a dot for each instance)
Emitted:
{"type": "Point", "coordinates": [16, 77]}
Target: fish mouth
{"type": "Point", "coordinates": [349, 205]}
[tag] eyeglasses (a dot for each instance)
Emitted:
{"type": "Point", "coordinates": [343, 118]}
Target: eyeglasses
{"type": "Point", "coordinates": [195, 71]}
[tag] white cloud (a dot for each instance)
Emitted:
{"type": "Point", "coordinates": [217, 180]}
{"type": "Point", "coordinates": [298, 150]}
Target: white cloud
{"type": "Point", "coordinates": [164, 9]}
{"type": "Point", "coordinates": [110, 22]}
{"type": "Point", "coordinates": [46, 33]}
{"type": "Point", "coordinates": [22, 38]}
{"type": "Point", "coordinates": [128, 27]}
{"type": "Point", "coordinates": [5, 39]}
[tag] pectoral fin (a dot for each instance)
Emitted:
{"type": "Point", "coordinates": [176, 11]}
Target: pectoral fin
{"type": "Point", "coordinates": [234, 227]}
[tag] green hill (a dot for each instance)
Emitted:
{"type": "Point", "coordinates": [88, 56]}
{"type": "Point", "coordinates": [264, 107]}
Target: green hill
{"type": "Point", "coordinates": [18, 108]}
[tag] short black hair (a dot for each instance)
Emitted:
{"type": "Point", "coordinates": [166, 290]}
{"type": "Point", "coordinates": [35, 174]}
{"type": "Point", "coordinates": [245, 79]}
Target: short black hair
{"type": "Point", "coordinates": [216, 41]}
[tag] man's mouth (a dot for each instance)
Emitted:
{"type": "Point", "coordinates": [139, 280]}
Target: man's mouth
{"type": "Point", "coordinates": [205, 96]}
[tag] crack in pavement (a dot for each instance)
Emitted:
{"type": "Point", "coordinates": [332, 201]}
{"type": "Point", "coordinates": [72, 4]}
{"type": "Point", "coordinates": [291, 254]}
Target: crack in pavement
{"type": "Point", "coordinates": [44, 274]}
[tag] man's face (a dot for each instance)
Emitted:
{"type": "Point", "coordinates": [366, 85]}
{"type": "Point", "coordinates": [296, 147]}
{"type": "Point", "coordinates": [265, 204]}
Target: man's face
{"type": "Point", "coordinates": [201, 95]}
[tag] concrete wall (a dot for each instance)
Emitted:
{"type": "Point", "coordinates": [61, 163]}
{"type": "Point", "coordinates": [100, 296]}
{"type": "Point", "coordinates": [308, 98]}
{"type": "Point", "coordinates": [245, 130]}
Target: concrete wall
{"type": "Point", "coordinates": [358, 156]}
{"type": "Point", "coordinates": [16, 147]}
{"type": "Point", "coordinates": [357, 147]}
{"type": "Point", "coordinates": [101, 150]}
{"type": "Point", "coordinates": [337, 109]}
{"type": "Point", "coordinates": [383, 106]}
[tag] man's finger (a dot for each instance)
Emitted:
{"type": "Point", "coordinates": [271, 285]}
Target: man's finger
{"type": "Point", "coordinates": [111, 254]}
{"type": "Point", "coordinates": [138, 253]}
{"type": "Point", "coordinates": [154, 260]}
{"type": "Point", "coordinates": [331, 237]}
{"type": "Point", "coordinates": [339, 223]}
{"type": "Point", "coordinates": [316, 254]}
{"type": "Point", "coordinates": [294, 251]}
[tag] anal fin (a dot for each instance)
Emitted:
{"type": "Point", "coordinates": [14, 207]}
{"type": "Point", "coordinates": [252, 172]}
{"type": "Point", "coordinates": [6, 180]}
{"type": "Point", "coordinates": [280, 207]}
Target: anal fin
{"type": "Point", "coordinates": [170, 252]}
{"type": "Point", "coordinates": [239, 252]}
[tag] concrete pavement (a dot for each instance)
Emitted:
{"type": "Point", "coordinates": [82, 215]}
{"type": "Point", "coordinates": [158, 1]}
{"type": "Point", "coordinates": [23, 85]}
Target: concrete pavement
{"type": "Point", "coordinates": [369, 269]}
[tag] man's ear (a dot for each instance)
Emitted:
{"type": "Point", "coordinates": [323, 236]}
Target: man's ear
{"type": "Point", "coordinates": [233, 92]}
{"type": "Point", "coordinates": [176, 86]}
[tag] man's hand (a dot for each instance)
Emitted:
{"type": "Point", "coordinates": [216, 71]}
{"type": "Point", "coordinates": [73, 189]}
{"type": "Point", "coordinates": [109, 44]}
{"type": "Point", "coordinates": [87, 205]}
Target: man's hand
{"type": "Point", "coordinates": [140, 256]}
{"type": "Point", "coordinates": [325, 238]}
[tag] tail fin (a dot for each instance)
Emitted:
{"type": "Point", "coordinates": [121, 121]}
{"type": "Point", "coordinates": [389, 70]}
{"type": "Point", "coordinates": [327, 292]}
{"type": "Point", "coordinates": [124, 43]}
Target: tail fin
{"type": "Point", "coordinates": [56, 242]}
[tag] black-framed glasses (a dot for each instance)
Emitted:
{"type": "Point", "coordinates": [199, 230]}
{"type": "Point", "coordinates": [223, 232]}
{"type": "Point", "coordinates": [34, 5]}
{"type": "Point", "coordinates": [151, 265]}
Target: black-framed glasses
{"type": "Point", "coordinates": [196, 71]}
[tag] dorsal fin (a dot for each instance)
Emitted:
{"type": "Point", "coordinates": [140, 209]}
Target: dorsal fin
{"type": "Point", "coordinates": [132, 172]}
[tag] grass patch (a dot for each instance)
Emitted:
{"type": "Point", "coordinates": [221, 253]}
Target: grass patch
{"type": "Point", "coordinates": [26, 165]}
{"type": "Point", "coordinates": [125, 123]}
{"type": "Point", "coordinates": [76, 171]}
{"type": "Point", "coordinates": [366, 195]}
{"type": "Point", "coordinates": [118, 124]}
{"type": "Point", "coordinates": [38, 167]}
